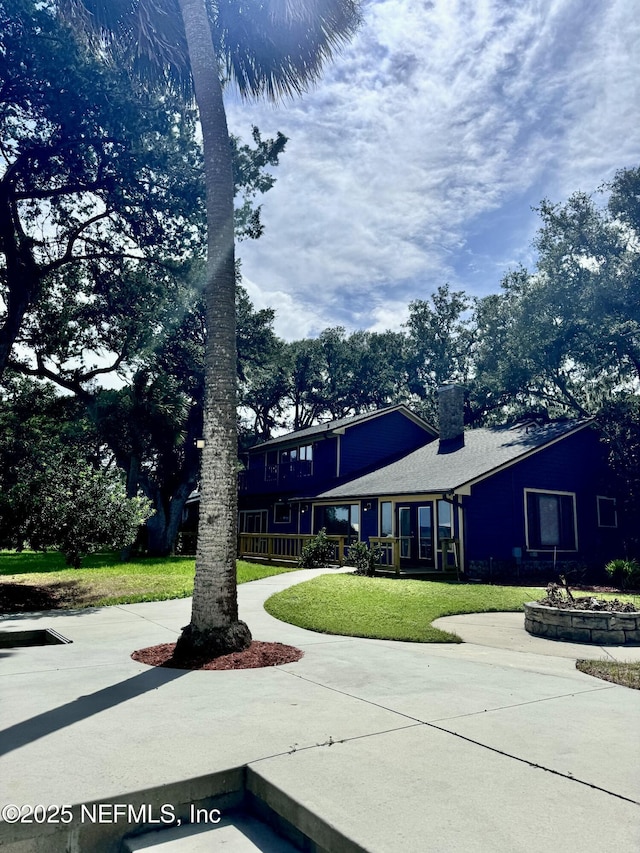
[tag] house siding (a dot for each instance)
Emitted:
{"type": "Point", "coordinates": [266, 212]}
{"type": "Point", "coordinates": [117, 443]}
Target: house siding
{"type": "Point", "coordinates": [362, 446]}
{"type": "Point", "coordinates": [371, 443]}
{"type": "Point", "coordinates": [368, 519]}
{"type": "Point", "coordinates": [495, 511]}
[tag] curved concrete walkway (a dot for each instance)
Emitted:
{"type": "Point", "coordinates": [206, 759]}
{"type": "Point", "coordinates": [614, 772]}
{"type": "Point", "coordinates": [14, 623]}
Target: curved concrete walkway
{"type": "Point", "coordinates": [506, 631]}
{"type": "Point", "coordinates": [482, 746]}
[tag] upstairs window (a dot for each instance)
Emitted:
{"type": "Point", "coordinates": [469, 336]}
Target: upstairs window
{"type": "Point", "coordinates": [550, 521]}
{"type": "Point", "coordinates": [607, 514]}
{"type": "Point", "coordinates": [305, 452]}
{"type": "Point", "coordinates": [299, 459]}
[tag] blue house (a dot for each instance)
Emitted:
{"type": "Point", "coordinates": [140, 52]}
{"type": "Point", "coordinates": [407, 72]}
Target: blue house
{"type": "Point", "coordinates": [494, 502]}
{"type": "Point", "coordinates": [283, 476]}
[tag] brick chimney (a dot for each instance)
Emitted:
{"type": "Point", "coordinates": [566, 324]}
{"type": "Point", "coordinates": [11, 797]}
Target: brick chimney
{"type": "Point", "coordinates": [451, 417]}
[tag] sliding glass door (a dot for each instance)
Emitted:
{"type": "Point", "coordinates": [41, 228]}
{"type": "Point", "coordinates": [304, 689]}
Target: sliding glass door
{"type": "Point", "coordinates": [415, 526]}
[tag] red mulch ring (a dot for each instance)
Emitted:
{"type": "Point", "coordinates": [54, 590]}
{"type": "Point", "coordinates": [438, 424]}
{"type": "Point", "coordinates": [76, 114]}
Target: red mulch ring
{"type": "Point", "coordinates": [257, 655]}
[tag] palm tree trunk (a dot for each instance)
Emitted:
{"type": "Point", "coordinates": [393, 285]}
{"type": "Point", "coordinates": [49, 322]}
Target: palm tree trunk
{"type": "Point", "coordinates": [214, 626]}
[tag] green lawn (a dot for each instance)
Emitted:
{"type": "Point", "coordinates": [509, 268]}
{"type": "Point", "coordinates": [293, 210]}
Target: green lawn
{"type": "Point", "coordinates": [390, 609]}
{"type": "Point", "coordinates": [104, 580]}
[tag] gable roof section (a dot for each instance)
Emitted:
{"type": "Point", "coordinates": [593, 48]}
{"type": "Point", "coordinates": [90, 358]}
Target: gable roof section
{"type": "Point", "coordinates": [313, 433]}
{"type": "Point", "coordinates": [485, 452]}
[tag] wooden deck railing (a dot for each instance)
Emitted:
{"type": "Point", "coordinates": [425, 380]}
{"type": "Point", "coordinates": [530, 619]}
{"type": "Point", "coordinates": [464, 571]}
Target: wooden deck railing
{"type": "Point", "coordinates": [389, 548]}
{"type": "Point", "coordinates": [286, 546]}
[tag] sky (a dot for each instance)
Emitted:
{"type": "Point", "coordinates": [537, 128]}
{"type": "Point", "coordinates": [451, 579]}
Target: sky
{"type": "Point", "coordinates": [418, 157]}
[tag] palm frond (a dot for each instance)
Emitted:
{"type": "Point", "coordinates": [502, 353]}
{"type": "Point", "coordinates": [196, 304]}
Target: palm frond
{"type": "Point", "coordinates": [277, 48]}
{"type": "Point", "coordinates": [271, 48]}
{"type": "Point", "coordinates": [145, 35]}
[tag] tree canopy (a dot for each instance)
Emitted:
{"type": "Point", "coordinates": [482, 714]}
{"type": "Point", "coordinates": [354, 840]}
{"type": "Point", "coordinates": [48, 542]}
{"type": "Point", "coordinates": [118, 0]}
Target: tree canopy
{"type": "Point", "coordinates": [100, 184]}
{"type": "Point", "coordinates": [566, 337]}
{"type": "Point", "coordinates": [102, 248]}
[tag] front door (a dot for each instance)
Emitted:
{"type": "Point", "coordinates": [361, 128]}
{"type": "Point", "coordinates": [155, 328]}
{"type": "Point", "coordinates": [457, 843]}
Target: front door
{"type": "Point", "coordinates": [415, 526]}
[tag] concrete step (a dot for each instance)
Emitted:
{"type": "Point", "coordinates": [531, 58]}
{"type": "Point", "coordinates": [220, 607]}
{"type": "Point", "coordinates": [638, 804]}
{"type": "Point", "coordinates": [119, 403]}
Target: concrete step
{"type": "Point", "coordinates": [237, 833]}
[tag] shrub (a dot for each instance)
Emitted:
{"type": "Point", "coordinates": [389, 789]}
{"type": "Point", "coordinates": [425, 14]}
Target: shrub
{"type": "Point", "coordinates": [319, 552]}
{"type": "Point", "coordinates": [364, 558]}
{"type": "Point", "coordinates": [78, 510]}
{"type": "Point", "coordinates": [624, 573]}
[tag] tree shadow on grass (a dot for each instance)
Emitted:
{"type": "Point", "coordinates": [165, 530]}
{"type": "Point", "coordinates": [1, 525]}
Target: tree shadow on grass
{"type": "Point", "coordinates": [21, 599]}
{"type": "Point", "coordinates": [25, 598]}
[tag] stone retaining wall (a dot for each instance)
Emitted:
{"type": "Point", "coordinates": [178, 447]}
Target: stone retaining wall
{"type": "Point", "coordinates": [582, 626]}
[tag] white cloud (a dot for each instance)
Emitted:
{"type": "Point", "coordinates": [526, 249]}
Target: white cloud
{"type": "Point", "coordinates": [417, 157]}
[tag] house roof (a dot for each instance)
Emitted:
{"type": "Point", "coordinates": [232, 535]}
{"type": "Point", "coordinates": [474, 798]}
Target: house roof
{"type": "Point", "coordinates": [325, 429]}
{"type": "Point", "coordinates": [429, 469]}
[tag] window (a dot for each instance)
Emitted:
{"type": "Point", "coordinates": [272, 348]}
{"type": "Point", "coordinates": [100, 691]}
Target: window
{"type": "Point", "coordinates": [298, 459]}
{"type": "Point", "coordinates": [338, 520]}
{"type": "Point", "coordinates": [386, 519]}
{"type": "Point", "coordinates": [282, 514]}
{"type": "Point", "coordinates": [271, 466]}
{"type": "Point", "coordinates": [550, 521]}
{"type": "Point", "coordinates": [607, 515]}
{"type": "Point", "coordinates": [425, 532]}
{"type": "Point", "coordinates": [305, 452]}
{"type": "Point", "coordinates": [404, 521]}
{"type": "Point", "coordinates": [445, 520]}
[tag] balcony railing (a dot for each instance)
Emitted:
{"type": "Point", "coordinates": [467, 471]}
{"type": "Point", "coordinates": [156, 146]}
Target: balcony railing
{"type": "Point", "coordinates": [281, 475]}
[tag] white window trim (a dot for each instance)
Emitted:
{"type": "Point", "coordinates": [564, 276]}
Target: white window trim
{"type": "Point", "coordinates": [575, 522]}
{"type": "Point", "coordinates": [615, 511]}
{"type": "Point", "coordinates": [242, 520]}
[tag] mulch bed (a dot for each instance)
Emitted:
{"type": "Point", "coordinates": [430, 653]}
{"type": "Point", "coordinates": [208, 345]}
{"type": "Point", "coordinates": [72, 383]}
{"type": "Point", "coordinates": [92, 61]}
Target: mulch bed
{"type": "Point", "coordinates": [562, 598]}
{"type": "Point", "coordinates": [258, 655]}
{"type": "Point", "coordinates": [592, 604]}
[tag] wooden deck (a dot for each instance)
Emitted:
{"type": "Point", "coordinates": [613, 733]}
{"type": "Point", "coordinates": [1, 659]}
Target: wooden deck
{"type": "Point", "coordinates": [286, 549]}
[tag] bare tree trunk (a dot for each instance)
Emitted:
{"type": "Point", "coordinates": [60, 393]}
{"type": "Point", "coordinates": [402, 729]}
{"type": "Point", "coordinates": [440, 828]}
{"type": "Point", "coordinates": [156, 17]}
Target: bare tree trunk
{"type": "Point", "coordinates": [214, 626]}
